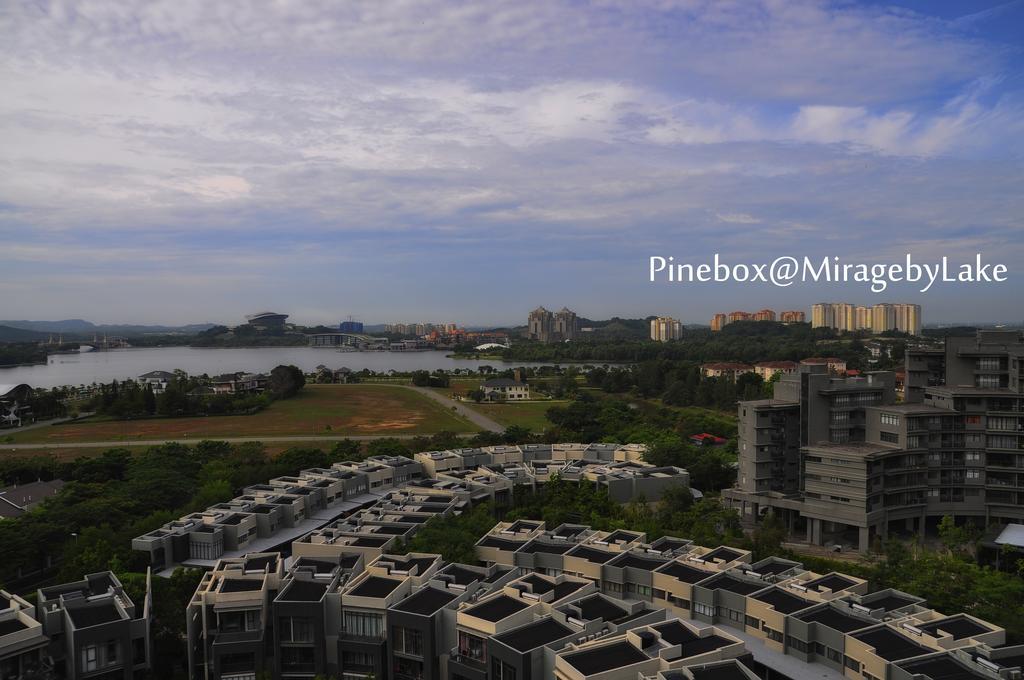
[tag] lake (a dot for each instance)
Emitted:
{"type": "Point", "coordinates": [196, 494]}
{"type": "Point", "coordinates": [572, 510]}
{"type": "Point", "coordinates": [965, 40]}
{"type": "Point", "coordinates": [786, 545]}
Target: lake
{"type": "Point", "coordinates": [103, 367]}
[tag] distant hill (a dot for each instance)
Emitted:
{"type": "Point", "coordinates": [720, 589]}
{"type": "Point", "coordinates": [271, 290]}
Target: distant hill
{"type": "Point", "coordinates": [9, 334]}
{"type": "Point", "coordinates": [87, 328]}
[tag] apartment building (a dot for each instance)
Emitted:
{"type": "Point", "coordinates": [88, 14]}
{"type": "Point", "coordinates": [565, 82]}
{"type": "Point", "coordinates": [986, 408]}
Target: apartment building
{"type": "Point", "coordinates": [768, 369]}
{"type": "Point", "coordinates": [793, 316]}
{"type": "Point", "coordinates": [842, 463]}
{"type": "Point", "coordinates": [546, 326]}
{"type": "Point", "coordinates": [842, 316]}
{"type": "Point", "coordinates": [729, 370]}
{"type": "Point", "coordinates": [85, 629]}
{"type": "Point", "coordinates": [665, 328]}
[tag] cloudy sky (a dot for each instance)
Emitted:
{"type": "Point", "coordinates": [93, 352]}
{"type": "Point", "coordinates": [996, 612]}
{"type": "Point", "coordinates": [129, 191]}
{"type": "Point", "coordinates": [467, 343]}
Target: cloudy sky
{"type": "Point", "coordinates": [177, 161]}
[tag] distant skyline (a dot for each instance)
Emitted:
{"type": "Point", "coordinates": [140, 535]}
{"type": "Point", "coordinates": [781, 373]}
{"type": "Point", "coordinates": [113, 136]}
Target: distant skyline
{"type": "Point", "coordinates": [182, 161]}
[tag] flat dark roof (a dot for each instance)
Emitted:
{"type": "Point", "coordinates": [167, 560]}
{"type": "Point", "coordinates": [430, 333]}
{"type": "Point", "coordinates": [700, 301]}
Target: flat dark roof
{"type": "Point", "coordinates": [11, 626]}
{"type": "Point", "coordinates": [240, 585]}
{"type": "Point", "coordinates": [835, 619]}
{"type": "Point", "coordinates": [497, 608]}
{"type": "Point", "coordinates": [261, 562]}
{"type": "Point", "coordinates": [890, 602]}
{"type": "Point", "coordinates": [773, 567]}
{"type": "Point", "coordinates": [370, 541]}
{"type": "Point", "coordinates": [94, 615]}
{"type": "Point", "coordinates": [958, 625]}
{"type": "Point", "coordinates": [782, 601]}
{"type": "Point", "coordinates": [536, 546]}
{"type": "Point", "coordinates": [304, 591]}
{"type": "Point", "coordinates": [605, 658]}
{"type": "Point", "coordinates": [732, 584]}
{"type": "Point", "coordinates": [534, 635]}
{"type": "Point", "coordinates": [598, 607]}
{"type": "Point", "coordinates": [722, 553]}
{"type": "Point", "coordinates": [890, 645]}
{"type": "Point", "coordinates": [833, 582]}
{"type": "Point", "coordinates": [676, 633]}
{"type": "Point", "coordinates": [941, 668]}
{"type": "Point", "coordinates": [461, 575]}
{"type": "Point", "coordinates": [421, 563]}
{"type": "Point", "coordinates": [500, 543]}
{"type": "Point", "coordinates": [724, 672]}
{"type": "Point", "coordinates": [591, 554]}
{"type": "Point", "coordinates": [685, 573]}
{"type": "Point", "coordinates": [635, 561]}
{"type": "Point", "coordinates": [426, 601]}
{"type": "Point", "coordinates": [375, 586]}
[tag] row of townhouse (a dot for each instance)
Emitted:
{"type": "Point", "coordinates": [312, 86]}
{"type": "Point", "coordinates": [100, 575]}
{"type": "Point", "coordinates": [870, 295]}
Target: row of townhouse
{"type": "Point", "coordinates": [85, 629]}
{"type": "Point", "coordinates": [570, 603]}
{"type": "Point", "coordinates": [767, 369]}
{"type": "Point", "coordinates": [312, 504]}
{"type": "Point", "coordinates": [413, 616]}
{"type": "Point", "coordinates": [796, 623]}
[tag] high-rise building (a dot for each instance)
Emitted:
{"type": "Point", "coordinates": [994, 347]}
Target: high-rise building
{"type": "Point", "coordinates": [566, 324]}
{"type": "Point", "coordinates": [878, 318]}
{"type": "Point", "coordinates": [666, 328]}
{"type": "Point", "coordinates": [793, 316]}
{"type": "Point", "coordinates": [719, 321]}
{"type": "Point", "coordinates": [544, 326]}
{"type": "Point", "coordinates": [764, 315]}
{"type": "Point", "coordinates": [739, 316]}
{"type": "Point", "coordinates": [837, 458]}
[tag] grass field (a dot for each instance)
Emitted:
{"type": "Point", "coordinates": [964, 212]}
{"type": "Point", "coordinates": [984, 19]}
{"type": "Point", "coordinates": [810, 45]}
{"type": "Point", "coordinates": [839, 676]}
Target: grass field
{"type": "Point", "coordinates": [528, 414]}
{"type": "Point", "coordinates": [326, 410]}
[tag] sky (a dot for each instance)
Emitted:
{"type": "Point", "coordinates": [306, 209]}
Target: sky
{"type": "Point", "coordinates": [187, 161]}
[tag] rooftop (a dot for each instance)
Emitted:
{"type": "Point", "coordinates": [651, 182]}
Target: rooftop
{"type": "Point", "coordinates": [675, 633]}
{"type": "Point", "coordinates": [94, 614]}
{"type": "Point", "coordinates": [835, 619]}
{"type": "Point", "coordinates": [599, 607]}
{"type": "Point", "coordinates": [425, 602]}
{"type": "Point", "coordinates": [591, 554]}
{"type": "Point", "coordinates": [890, 645]}
{"type": "Point", "coordinates": [375, 586]}
{"type": "Point", "coordinates": [734, 585]}
{"type": "Point", "coordinates": [959, 626]}
{"type": "Point", "coordinates": [834, 582]}
{"type": "Point", "coordinates": [782, 601]}
{"type": "Point", "coordinates": [304, 591]}
{"type": "Point", "coordinates": [534, 635]}
{"type": "Point", "coordinates": [496, 608]}
{"type": "Point", "coordinates": [605, 658]}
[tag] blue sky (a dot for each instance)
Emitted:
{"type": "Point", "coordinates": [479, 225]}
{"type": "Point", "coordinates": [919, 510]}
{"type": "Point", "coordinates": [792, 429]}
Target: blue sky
{"type": "Point", "coordinates": [183, 161]}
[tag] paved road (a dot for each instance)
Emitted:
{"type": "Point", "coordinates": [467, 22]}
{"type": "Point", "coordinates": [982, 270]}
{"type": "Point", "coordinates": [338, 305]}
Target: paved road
{"type": "Point", "coordinates": [475, 417]}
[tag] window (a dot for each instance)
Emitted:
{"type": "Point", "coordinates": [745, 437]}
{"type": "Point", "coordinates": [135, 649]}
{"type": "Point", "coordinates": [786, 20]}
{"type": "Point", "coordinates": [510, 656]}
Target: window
{"type": "Point", "coordinates": [703, 609]}
{"type": "Point", "coordinates": [112, 647]}
{"type": "Point", "coordinates": [773, 634]}
{"type": "Point", "coordinates": [363, 624]}
{"type": "Point", "coordinates": [890, 419]}
{"type": "Point", "coordinates": [833, 655]}
{"type": "Point", "coordinates": [407, 640]}
{"type": "Point", "coordinates": [252, 620]}
{"type": "Point", "coordinates": [90, 658]}
{"type": "Point", "coordinates": [296, 629]}
{"type": "Point", "coordinates": [753, 622]}
{"type": "Point", "coordinates": [974, 474]}
{"type": "Point", "coordinates": [890, 437]}
{"type": "Point", "coordinates": [471, 646]}
{"type": "Point", "coordinates": [797, 644]}
{"type": "Point", "coordinates": [502, 671]}
{"type": "Point", "coordinates": [852, 664]}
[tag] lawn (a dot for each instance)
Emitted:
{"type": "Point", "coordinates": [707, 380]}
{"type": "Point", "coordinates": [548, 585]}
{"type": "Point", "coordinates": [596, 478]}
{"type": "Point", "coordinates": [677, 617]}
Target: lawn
{"type": "Point", "coordinates": [528, 414]}
{"type": "Point", "coordinates": [325, 410]}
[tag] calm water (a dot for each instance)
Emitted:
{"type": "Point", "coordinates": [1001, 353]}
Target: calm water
{"type": "Point", "coordinates": [77, 369]}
